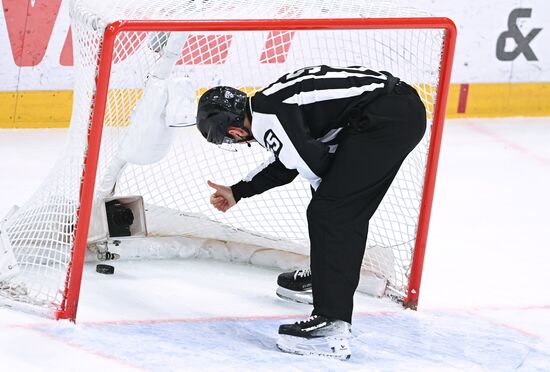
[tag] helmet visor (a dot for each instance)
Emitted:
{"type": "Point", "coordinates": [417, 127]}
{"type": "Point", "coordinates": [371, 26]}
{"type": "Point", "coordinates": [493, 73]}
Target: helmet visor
{"type": "Point", "coordinates": [216, 127]}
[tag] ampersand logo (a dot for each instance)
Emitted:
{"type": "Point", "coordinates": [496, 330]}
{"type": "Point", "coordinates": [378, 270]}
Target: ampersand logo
{"type": "Point", "coordinates": [272, 142]}
{"type": "Point", "coordinates": [522, 42]}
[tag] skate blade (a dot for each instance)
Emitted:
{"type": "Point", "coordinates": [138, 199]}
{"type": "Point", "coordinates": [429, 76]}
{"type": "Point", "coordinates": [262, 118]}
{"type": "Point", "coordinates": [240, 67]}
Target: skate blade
{"type": "Point", "coordinates": [302, 297]}
{"type": "Point", "coordinates": [336, 347]}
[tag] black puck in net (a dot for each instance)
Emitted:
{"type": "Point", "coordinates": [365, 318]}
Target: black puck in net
{"type": "Point", "coordinates": [104, 269]}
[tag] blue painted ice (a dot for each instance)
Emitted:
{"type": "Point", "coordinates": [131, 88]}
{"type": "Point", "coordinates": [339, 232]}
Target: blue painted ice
{"type": "Point", "coordinates": [391, 342]}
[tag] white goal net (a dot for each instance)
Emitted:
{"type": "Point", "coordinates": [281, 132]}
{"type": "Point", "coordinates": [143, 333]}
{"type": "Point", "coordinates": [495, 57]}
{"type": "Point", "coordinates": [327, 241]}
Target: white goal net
{"type": "Point", "coordinates": [231, 51]}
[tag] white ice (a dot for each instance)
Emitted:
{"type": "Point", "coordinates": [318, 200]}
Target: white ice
{"type": "Point", "coordinates": [484, 304]}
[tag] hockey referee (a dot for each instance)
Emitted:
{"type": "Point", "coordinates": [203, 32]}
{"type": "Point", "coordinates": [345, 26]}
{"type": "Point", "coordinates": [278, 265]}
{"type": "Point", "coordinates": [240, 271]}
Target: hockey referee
{"type": "Point", "coordinates": [347, 131]}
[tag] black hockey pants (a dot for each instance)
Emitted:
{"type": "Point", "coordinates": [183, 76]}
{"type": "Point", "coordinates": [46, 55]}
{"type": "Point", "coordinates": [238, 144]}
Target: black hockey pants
{"type": "Point", "coordinates": [363, 168]}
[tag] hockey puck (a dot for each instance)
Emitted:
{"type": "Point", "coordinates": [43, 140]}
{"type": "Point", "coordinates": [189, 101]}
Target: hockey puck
{"type": "Point", "coordinates": [104, 269]}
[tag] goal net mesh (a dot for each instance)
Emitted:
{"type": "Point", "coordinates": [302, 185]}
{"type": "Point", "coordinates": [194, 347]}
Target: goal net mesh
{"type": "Point", "coordinates": [41, 233]}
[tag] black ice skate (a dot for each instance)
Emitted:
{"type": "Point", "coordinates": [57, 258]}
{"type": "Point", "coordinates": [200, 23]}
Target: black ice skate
{"type": "Point", "coordinates": [295, 286]}
{"type": "Point", "coordinates": [316, 335]}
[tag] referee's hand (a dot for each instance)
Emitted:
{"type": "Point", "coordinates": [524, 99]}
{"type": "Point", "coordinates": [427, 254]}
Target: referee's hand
{"type": "Point", "coordinates": [223, 198]}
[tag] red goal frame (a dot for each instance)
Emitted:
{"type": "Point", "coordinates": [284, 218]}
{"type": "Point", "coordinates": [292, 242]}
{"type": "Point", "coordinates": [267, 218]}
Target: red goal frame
{"type": "Point", "coordinates": [69, 305]}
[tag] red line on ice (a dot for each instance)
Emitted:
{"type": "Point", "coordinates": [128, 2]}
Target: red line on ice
{"type": "Point", "coordinates": [519, 148]}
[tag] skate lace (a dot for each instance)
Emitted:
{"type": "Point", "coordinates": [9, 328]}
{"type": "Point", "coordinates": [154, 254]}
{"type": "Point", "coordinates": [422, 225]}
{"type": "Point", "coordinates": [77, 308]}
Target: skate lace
{"type": "Point", "coordinates": [310, 319]}
{"type": "Point", "coordinates": [302, 273]}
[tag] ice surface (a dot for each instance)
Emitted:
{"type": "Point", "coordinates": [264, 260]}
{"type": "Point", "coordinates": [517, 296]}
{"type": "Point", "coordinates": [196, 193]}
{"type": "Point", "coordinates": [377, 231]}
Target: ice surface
{"type": "Point", "coordinates": [484, 305]}
{"type": "Point", "coordinates": [385, 341]}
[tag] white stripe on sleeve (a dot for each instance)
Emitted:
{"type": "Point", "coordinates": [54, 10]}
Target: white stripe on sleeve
{"type": "Point", "coordinates": [305, 98]}
{"type": "Point", "coordinates": [259, 168]}
{"type": "Point", "coordinates": [331, 134]}
{"type": "Point", "coordinates": [329, 75]}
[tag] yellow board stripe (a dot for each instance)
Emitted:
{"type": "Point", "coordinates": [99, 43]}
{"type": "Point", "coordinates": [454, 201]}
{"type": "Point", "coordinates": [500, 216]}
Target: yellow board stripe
{"type": "Point", "coordinates": [52, 109]}
{"type": "Point", "coordinates": [7, 109]}
{"type": "Point", "coordinates": [502, 100]}
{"type": "Point", "coordinates": [36, 109]}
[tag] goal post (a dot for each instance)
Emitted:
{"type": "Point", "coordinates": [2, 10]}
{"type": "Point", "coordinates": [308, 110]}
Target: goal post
{"type": "Point", "coordinates": [112, 103]}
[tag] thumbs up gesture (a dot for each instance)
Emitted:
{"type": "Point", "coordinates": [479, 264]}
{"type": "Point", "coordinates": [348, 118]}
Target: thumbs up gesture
{"type": "Point", "coordinates": [222, 199]}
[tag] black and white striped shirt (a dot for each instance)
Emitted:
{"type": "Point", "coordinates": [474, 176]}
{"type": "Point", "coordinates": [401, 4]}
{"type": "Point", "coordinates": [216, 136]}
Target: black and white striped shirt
{"type": "Point", "coordinates": [299, 117]}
